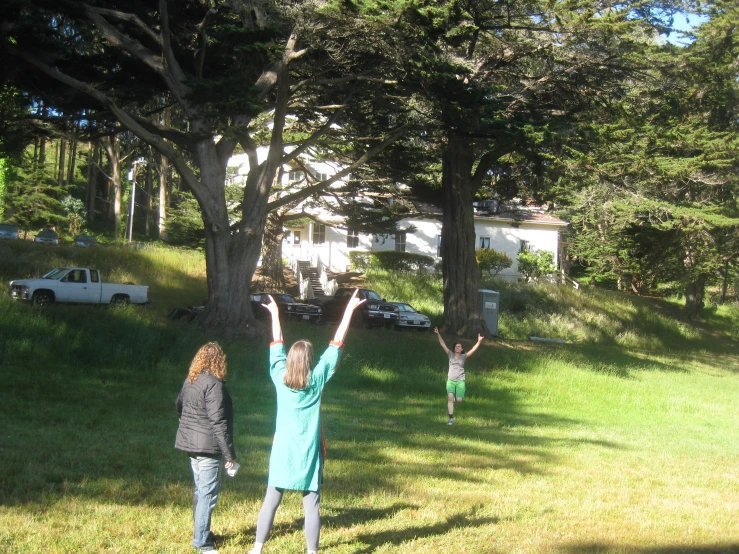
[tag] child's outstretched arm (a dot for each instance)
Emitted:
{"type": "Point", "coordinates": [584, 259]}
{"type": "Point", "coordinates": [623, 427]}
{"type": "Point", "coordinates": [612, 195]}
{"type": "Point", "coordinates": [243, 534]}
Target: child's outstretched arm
{"type": "Point", "coordinates": [479, 341]}
{"type": "Point", "coordinates": [273, 309]}
{"type": "Point", "coordinates": [347, 319]}
{"type": "Point", "coordinates": [441, 341]}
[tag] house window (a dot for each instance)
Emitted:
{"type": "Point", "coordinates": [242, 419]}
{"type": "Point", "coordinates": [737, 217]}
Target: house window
{"type": "Point", "coordinates": [400, 241]}
{"type": "Point", "coordinates": [438, 246]}
{"type": "Point", "coordinates": [322, 176]}
{"type": "Point", "coordinates": [319, 233]}
{"type": "Point", "coordinates": [484, 242]}
{"type": "Point", "coordinates": [296, 237]}
{"type": "Point", "coordinates": [352, 238]}
{"type": "Point", "coordinates": [524, 246]}
{"type": "Point", "coordinates": [294, 176]}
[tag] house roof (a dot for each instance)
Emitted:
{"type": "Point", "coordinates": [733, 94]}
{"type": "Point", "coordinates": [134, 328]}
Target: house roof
{"type": "Point", "coordinates": [521, 214]}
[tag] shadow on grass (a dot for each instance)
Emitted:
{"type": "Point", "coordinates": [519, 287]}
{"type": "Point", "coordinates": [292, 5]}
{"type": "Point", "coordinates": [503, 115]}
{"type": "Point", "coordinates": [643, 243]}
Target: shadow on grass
{"type": "Point", "coordinates": [345, 518]}
{"type": "Point", "coordinates": [597, 548]}
{"type": "Point", "coordinates": [372, 541]}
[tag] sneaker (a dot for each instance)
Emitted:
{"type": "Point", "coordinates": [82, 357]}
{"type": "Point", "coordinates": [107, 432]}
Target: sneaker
{"type": "Point", "coordinates": [207, 550]}
{"type": "Point", "coordinates": [451, 421]}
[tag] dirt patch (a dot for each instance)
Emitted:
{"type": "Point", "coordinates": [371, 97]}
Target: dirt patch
{"type": "Point", "coordinates": [262, 283]}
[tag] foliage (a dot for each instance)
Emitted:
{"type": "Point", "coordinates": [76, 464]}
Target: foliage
{"type": "Point", "coordinates": [491, 262]}
{"type": "Point", "coordinates": [33, 197]}
{"type": "Point", "coordinates": [532, 265]}
{"type": "Point", "coordinates": [75, 209]}
{"type": "Point", "coordinates": [389, 260]}
{"type": "Point", "coordinates": [650, 184]}
{"type": "Point", "coordinates": [4, 174]}
{"type": "Point", "coordinates": [185, 222]}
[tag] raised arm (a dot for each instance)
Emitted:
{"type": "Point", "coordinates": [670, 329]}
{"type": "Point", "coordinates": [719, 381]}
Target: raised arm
{"type": "Point", "coordinates": [347, 319]}
{"type": "Point", "coordinates": [472, 350]}
{"type": "Point", "coordinates": [273, 309]}
{"type": "Point", "coordinates": [441, 341]}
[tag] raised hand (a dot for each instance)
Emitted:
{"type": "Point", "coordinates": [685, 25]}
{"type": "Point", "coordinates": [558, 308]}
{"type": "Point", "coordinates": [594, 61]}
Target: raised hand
{"type": "Point", "coordinates": [272, 307]}
{"type": "Point", "coordinates": [354, 301]}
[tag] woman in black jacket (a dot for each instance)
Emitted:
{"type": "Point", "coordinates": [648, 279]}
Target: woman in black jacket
{"type": "Point", "coordinates": [206, 434]}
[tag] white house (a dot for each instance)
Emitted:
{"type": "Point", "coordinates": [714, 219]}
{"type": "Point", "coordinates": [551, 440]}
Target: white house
{"type": "Point", "coordinates": [327, 245]}
{"type": "Point", "coordinates": [531, 229]}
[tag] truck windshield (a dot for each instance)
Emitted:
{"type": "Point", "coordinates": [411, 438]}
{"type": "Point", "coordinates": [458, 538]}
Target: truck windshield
{"type": "Point", "coordinates": [57, 273]}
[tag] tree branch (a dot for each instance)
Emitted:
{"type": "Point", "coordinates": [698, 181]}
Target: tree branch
{"type": "Point", "coordinates": [126, 119]}
{"type": "Point", "coordinates": [318, 187]}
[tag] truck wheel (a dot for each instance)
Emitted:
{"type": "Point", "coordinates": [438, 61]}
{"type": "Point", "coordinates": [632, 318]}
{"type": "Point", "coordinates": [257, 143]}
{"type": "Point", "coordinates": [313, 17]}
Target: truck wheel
{"type": "Point", "coordinates": [119, 300]}
{"type": "Point", "coordinates": [43, 298]}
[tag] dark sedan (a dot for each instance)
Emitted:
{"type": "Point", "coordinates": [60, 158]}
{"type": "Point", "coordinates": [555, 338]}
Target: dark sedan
{"type": "Point", "coordinates": [288, 305]}
{"type": "Point", "coordinates": [409, 318]}
{"type": "Point", "coordinates": [8, 231]}
{"type": "Point", "coordinates": [47, 237]}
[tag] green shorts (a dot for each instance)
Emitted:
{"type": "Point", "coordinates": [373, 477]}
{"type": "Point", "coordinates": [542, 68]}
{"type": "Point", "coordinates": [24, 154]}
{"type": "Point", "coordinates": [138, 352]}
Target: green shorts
{"type": "Point", "coordinates": [457, 388]}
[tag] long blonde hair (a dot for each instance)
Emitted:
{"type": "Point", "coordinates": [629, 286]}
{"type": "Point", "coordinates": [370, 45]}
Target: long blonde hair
{"type": "Point", "coordinates": [299, 364]}
{"type": "Point", "coordinates": [209, 359]}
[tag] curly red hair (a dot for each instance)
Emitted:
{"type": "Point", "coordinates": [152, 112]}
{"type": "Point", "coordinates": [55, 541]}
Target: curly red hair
{"type": "Point", "coordinates": [209, 359]}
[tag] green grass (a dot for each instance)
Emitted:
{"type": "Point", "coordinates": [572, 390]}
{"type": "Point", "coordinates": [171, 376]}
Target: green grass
{"type": "Point", "coordinates": [597, 446]}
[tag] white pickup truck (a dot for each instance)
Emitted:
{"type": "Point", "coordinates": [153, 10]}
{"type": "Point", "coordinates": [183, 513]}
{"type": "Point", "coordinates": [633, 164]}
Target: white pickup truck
{"type": "Point", "coordinates": [76, 285]}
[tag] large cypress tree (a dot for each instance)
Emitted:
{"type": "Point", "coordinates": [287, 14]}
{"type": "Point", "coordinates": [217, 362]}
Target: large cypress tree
{"type": "Point", "coordinates": [235, 73]}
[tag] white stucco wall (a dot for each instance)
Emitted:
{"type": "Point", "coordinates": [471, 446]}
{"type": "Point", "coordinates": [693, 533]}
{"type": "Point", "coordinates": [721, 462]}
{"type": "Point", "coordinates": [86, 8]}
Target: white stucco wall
{"type": "Point", "coordinates": [507, 239]}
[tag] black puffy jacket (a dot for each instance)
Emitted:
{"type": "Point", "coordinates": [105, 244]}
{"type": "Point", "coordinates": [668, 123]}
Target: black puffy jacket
{"type": "Point", "coordinates": [206, 418]}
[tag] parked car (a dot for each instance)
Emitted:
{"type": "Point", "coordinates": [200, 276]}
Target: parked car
{"type": "Point", "coordinates": [85, 241]}
{"type": "Point", "coordinates": [374, 312]}
{"type": "Point", "coordinates": [8, 231]}
{"type": "Point", "coordinates": [47, 237]}
{"type": "Point", "coordinates": [288, 305]}
{"type": "Point", "coordinates": [76, 285]}
{"type": "Point", "coordinates": [410, 318]}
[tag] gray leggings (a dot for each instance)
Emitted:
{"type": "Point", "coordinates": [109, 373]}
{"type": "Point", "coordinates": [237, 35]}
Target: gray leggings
{"type": "Point", "coordinates": [311, 502]}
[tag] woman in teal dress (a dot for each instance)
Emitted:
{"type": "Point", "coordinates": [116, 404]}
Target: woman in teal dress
{"type": "Point", "coordinates": [296, 462]}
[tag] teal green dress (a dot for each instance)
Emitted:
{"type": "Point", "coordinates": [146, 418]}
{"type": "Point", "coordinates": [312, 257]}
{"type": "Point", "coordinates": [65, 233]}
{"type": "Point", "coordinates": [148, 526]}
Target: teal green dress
{"type": "Point", "coordinates": [296, 462]}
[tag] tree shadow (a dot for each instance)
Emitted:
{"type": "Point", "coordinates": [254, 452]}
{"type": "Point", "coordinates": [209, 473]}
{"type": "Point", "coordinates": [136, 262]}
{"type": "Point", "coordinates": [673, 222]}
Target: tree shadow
{"type": "Point", "coordinates": [373, 541]}
{"type": "Point", "coordinates": [603, 548]}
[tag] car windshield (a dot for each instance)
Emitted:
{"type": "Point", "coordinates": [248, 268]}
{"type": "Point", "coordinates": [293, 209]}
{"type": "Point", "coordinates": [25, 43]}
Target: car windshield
{"type": "Point", "coordinates": [405, 308]}
{"type": "Point", "coordinates": [7, 227]}
{"type": "Point", "coordinates": [372, 295]}
{"type": "Point", "coordinates": [57, 273]}
{"type": "Point", "coordinates": [85, 238]}
{"type": "Point", "coordinates": [283, 298]}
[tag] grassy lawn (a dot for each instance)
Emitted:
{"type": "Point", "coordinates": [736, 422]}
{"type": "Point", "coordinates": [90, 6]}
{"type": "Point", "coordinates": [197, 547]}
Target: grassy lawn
{"type": "Point", "coordinates": [625, 439]}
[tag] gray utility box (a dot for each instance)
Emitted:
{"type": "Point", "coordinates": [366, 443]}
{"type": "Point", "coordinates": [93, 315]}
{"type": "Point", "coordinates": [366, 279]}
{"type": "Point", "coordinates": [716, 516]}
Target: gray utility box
{"type": "Point", "coordinates": [489, 303]}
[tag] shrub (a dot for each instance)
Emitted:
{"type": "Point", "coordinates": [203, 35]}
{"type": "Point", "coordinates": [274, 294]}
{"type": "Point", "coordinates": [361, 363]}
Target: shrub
{"type": "Point", "coordinates": [491, 261]}
{"type": "Point", "coordinates": [533, 265]}
{"type": "Point", "coordinates": [389, 260]}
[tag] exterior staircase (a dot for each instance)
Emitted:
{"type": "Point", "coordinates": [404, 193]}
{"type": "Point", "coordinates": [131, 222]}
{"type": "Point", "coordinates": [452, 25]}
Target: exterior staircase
{"type": "Point", "coordinates": [311, 273]}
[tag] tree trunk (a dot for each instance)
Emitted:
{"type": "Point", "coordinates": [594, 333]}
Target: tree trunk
{"type": "Point", "coordinates": [93, 157]}
{"type": "Point", "coordinates": [90, 184]}
{"type": "Point", "coordinates": [231, 255]}
{"type": "Point", "coordinates": [72, 160]}
{"type": "Point", "coordinates": [462, 311]}
{"type": "Point", "coordinates": [62, 155]}
{"type": "Point", "coordinates": [113, 149]}
{"type": "Point", "coordinates": [42, 154]}
{"type": "Point", "coordinates": [147, 196]}
{"type": "Point", "coordinates": [694, 292]}
{"type": "Point", "coordinates": [272, 269]}
{"type": "Point", "coordinates": [163, 180]}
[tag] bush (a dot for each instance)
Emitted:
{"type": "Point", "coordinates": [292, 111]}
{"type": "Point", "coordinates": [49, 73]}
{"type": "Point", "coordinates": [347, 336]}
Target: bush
{"type": "Point", "coordinates": [389, 260]}
{"type": "Point", "coordinates": [491, 261]}
{"type": "Point", "coordinates": [533, 265]}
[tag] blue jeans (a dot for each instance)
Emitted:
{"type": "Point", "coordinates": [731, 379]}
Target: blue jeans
{"type": "Point", "coordinates": [206, 473]}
